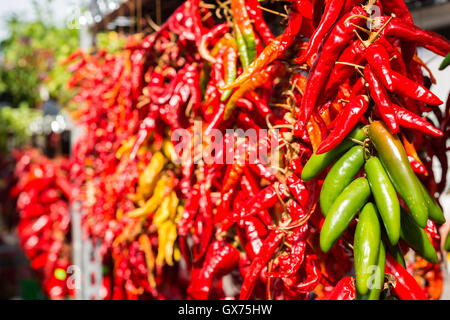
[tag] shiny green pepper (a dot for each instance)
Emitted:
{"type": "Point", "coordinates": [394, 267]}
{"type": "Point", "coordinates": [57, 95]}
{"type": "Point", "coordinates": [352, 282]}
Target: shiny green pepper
{"type": "Point", "coordinates": [385, 198]}
{"type": "Point", "coordinates": [343, 210]}
{"type": "Point", "coordinates": [319, 162]}
{"type": "Point", "coordinates": [366, 247]}
{"type": "Point", "coordinates": [393, 157]}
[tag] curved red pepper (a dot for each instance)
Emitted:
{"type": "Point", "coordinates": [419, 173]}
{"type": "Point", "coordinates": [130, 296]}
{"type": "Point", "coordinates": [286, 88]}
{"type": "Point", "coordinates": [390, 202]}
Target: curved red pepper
{"type": "Point", "coordinates": [406, 287]}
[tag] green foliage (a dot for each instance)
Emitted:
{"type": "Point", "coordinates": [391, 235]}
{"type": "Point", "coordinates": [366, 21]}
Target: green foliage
{"type": "Point", "coordinates": [31, 59]}
{"type": "Point", "coordinates": [14, 124]}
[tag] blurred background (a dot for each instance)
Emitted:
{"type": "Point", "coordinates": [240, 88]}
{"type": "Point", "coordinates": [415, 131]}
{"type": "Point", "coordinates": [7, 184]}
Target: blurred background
{"type": "Point", "coordinates": [35, 106]}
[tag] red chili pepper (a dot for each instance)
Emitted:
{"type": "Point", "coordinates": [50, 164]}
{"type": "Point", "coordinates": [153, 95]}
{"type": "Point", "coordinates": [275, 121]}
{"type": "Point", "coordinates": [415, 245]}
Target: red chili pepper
{"type": "Point", "coordinates": [345, 122]}
{"type": "Point", "coordinates": [412, 121]}
{"type": "Point", "coordinates": [269, 247]}
{"type": "Point", "coordinates": [399, 8]}
{"type": "Point", "coordinates": [339, 37]}
{"type": "Point", "coordinates": [265, 199]}
{"type": "Point", "coordinates": [207, 225]}
{"type": "Point", "coordinates": [298, 189]}
{"type": "Point", "coordinates": [344, 290]}
{"type": "Point", "coordinates": [217, 119]}
{"type": "Point", "coordinates": [294, 260]}
{"type": "Point", "coordinates": [252, 235]}
{"type": "Point", "coordinates": [408, 31]}
{"type": "Point", "coordinates": [215, 33]}
{"type": "Point", "coordinates": [417, 166]}
{"type": "Point", "coordinates": [220, 259]}
{"type": "Point", "coordinates": [295, 210]}
{"type": "Point", "coordinates": [28, 228]}
{"type": "Point", "coordinates": [273, 51]}
{"type": "Point", "coordinates": [381, 99]}
{"type": "Point", "coordinates": [378, 59]}
{"type": "Point", "coordinates": [406, 287]}
{"type": "Point", "coordinates": [260, 25]}
{"type": "Point", "coordinates": [313, 275]}
{"type": "Point", "coordinates": [261, 105]}
{"type": "Point", "coordinates": [49, 195]}
{"type": "Point", "coordinates": [190, 210]}
{"type": "Point", "coordinates": [355, 53]}
{"type": "Point", "coordinates": [262, 171]}
{"type": "Point", "coordinates": [407, 87]}
{"type": "Point", "coordinates": [329, 17]}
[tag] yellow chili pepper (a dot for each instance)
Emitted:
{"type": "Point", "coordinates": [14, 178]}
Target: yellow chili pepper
{"type": "Point", "coordinates": [148, 177]}
{"type": "Point", "coordinates": [125, 147]}
{"type": "Point", "coordinates": [173, 205]}
{"type": "Point", "coordinates": [171, 238]}
{"type": "Point", "coordinates": [146, 246]}
{"type": "Point", "coordinates": [162, 188]}
{"type": "Point", "coordinates": [163, 212]}
{"type": "Point", "coordinates": [169, 151]}
{"type": "Point", "coordinates": [162, 239]}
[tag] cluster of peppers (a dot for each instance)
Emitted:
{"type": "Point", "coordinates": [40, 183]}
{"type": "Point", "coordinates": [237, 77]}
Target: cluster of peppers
{"type": "Point", "coordinates": [337, 83]}
{"type": "Point", "coordinates": [43, 194]}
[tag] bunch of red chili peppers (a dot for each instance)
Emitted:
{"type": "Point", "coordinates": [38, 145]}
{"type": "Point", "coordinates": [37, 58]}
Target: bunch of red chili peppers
{"type": "Point", "coordinates": [335, 80]}
{"type": "Point", "coordinates": [43, 192]}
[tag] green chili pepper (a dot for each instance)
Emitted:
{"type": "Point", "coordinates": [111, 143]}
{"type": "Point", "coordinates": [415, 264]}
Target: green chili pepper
{"type": "Point", "coordinates": [417, 238]}
{"type": "Point", "coordinates": [434, 209]}
{"type": "Point", "coordinates": [343, 210]}
{"type": "Point", "coordinates": [394, 251]}
{"type": "Point", "coordinates": [378, 277]}
{"type": "Point", "coordinates": [445, 62]}
{"type": "Point", "coordinates": [366, 247]}
{"type": "Point", "coordinates": [319, 162]}
{"type": "Point", "coordinates": [385, 198]}
{"type": "Point", "coordinates": [340, 175]}
{"type": "Point", "coordinates": [394, 160]}
{"type": "Point", "coordinates": [242, 48]}
{"type": "Point", "coordinates": [447, 242]}
{"type": "Point", "coordinates": [244, 24]}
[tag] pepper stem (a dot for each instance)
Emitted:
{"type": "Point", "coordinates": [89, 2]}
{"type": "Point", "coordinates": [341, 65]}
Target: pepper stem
{"type": "Point", "coordinates": [273, 12]}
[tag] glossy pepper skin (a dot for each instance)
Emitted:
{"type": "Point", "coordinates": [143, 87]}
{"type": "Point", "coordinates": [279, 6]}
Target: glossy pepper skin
{"type": "Point", "coordinates": [329, 17]}
{"type": "Point", "coordinates": [245, 26]}
{"type": "Point", "coordinates": [272, 51]}
{"type": "Point", "coordinates": [404, 86]}
{"type": "Point", "coordinates": [343, 210]}
{"type": "Point", "coordinates": [406, 287]}
{"type": "Point", "coordinates": [220, 259]}
{"type": "Point", "coordinates": [385, 198]}
{"type": "Point", "coordinates": [447, 242]}
{"type": "Point", "coordinates": [269, 247]}
{"type": "Point", "coordinates": [381, 99]}
{"type": "Point", "coordinates": [341, 34]}
{"type": "Point", "coordinates": [378, 59]}
{"type": "Point", "coordinates": [417, 238]}
{"type": "Point", "coordinates": [408, 31]}
{"type": "Point", "coordinates": [412, 121]}
{"type": "Point", "coordinates": [393, 157]}
{"type": "Point", "coordinates": [366, 246]}
{"type": "Point", "coordinates": [445, 63]}
{"type": "Point", "coordinates": [378, 277]}
{"type": "Point", "coordinates": [319, 162]}
{"type": "Point", "coordinates": [395, 252]}
{"type": "Point", "coordinates": [340, 176]}
{"type": "Point", "coordinates": [344, 290]}
{"type": "Point", "coordinates": [434, 209]}
{"type": "Point", "coordinates": [344, 122]}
